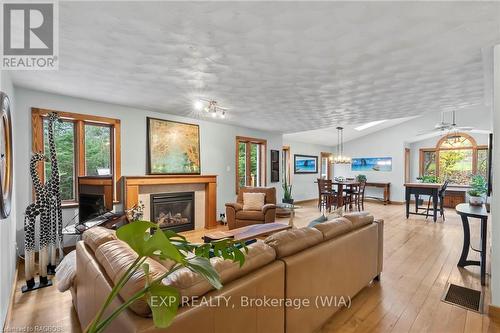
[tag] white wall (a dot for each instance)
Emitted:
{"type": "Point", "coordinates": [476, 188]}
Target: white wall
{"type": "Point", "coordinates": [217, 143]}
{"type": "Point", "coordinates": [495, 200]}
{"type": "Point", "coordinates": [391, 142]}
{"type": "Point", "coordinates": [8, 226]}
{"type": "Point", "coordinates": [304, 187]}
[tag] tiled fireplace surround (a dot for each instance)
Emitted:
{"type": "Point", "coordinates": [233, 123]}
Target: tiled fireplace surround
{"type": "Point", "coordinates": [204, 187]}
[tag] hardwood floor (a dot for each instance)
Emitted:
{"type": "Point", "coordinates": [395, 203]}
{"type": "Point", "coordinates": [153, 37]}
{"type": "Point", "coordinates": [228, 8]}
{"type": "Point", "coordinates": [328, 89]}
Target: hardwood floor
{"type": "Point", "coordinates": [420, 258]}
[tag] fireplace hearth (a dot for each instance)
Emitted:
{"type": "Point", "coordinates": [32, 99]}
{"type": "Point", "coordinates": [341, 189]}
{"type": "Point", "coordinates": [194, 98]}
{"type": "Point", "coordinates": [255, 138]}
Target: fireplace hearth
{"type": "Point", "coordinates": [174, 211]}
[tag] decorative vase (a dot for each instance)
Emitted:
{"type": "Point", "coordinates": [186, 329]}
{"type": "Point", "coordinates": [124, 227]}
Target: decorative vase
{"type": "Point", "coordinates": [476, 201]}
{"type": "Point", "coordinates": [287, 201]}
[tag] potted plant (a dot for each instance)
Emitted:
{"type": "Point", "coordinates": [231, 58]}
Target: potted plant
{"type": "Point", "coordinates": [361, 178]}
{"type": "Point", "coordinates": [287, 193]}
{"type": "Point", "coordinates": [165, 244]}
{"type": "Point", "coordinates": [478, 190]}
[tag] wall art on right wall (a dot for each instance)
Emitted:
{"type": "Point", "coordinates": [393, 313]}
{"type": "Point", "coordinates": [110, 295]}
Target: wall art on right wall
{"type": "Point", "coordinates": [371, 164]}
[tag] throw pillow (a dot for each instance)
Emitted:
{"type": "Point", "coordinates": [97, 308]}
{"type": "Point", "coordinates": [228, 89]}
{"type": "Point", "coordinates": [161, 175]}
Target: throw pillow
{"type": "Point", "coordinates": [253, 201]}
{"type": "Point", "coordinates": [316, 221]}
{"type": "Point", "coordinates": [339, 212]}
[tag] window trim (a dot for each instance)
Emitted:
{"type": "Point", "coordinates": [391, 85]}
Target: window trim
{"type": "Point", "coordinates": [329, 157]}
{"type": "Point", "coordinates": [79, 120]}
{"type": "Point", "coordinates": [262, 157]}
{"type": "Point", "coordinates": [474, 147]}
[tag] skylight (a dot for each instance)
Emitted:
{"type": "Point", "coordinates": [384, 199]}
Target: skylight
{"type": "Point", "coordinates": [368, 125]}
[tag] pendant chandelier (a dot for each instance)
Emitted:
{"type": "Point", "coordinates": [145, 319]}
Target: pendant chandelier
{"type": "Point", "coordinates": [341, 158]}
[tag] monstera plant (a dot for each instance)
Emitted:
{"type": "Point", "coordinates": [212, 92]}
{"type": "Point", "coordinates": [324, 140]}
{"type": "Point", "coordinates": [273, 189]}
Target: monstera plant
{"type": "Point", "coordinates": [165, 245]}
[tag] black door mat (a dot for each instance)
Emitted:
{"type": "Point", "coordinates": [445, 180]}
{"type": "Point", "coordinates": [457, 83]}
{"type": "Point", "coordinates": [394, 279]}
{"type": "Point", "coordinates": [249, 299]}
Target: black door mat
{"type": "Point", "coordinates": [466, 298]}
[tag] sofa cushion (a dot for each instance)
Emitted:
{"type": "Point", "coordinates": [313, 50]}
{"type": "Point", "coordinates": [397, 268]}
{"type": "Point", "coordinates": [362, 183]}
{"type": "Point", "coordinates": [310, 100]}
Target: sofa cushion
{"type": "Point", "coordinates": [96, 236]}
{"type": "Point", "coordinates": [317, 220]}
{"type": "Point", "coordinates": [116, 257]}
{"type": "Point", "coordinates": [190, 284]}
{"type": "Point", "coordinates": [254, 215]}
{"type": "Point", "coordinates": [288, 242]}
{"type": "Point", "coordinates": [253, 201]}
{"type": "Point", "coordinates": [334, 228]}
{"type": "Point", "coordinates": [359, 219]}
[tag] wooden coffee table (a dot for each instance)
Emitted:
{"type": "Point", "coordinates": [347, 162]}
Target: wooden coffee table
{"type": "Point", "coordinates": [246, 233]}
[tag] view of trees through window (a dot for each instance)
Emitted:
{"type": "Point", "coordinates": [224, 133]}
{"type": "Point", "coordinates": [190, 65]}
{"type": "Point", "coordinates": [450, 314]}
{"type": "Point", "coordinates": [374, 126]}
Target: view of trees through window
{"type": "Point", "coordinates": [459, 160]}
{"type": "Point", "coordinates": [249, 170]}
{"type": "Point", "coordinates": [64, 137]}
{"type": "Point", "coordinates": [97, 150]}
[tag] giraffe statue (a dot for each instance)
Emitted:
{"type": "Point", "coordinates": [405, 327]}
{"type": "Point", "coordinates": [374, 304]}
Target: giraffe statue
{"type": "Point", "coordinates": [54, 192]}
{"type": "Point", "coordinates": [40, 207]}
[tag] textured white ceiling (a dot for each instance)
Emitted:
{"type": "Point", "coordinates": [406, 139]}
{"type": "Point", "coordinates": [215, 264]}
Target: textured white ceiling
{"type": "Point", "coordinates": [281, 66]}
{"type": "Point", "coordinates": [328, 136]}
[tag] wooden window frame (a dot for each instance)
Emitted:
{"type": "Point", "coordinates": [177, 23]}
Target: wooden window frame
{"type": "Point", "coordinates": [262, 157]}
{"type": "Point", "coordinates": [328, 156]}
{"type": "Point", "coordinates": [474, 147]}
{"type": "Point", "coordinates": [287, 164]}
{"type": "Point", "coordinates": [79, 121]}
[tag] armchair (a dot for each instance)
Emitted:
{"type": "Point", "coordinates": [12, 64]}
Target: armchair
{"type": "Point", "coordinates": [237, 217]}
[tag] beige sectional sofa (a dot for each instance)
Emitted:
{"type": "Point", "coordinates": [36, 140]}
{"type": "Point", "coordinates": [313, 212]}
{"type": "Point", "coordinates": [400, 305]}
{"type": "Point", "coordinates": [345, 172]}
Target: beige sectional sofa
{"type": "Point", "coordinates": [280, 288]}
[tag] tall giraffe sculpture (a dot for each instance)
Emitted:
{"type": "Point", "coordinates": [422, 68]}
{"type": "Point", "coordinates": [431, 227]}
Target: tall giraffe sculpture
{"type": "Point", "coordinates": [54, 191]}
{"type": "Point", "coordinates": [40, 207]}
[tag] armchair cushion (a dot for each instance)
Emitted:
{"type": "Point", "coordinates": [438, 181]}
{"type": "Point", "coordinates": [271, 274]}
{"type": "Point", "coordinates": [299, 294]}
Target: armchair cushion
{"type": "Point", "coordinates": [253, 201]}
{"type": "Point", "coordinates": [255, 215]}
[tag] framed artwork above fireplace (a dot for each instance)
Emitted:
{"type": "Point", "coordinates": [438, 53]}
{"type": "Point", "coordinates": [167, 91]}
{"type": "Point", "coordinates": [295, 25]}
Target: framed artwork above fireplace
{"type": "Point", "coordinates": [173, 148]}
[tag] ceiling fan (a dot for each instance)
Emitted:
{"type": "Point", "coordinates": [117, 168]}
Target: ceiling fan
{"type": "Point", "coordinates": [452, 127]}
{"type": "Point", "coordinates": [211, 107]}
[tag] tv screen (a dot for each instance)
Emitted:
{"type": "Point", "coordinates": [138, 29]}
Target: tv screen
{"type": "Point", "coordinates": [90, 206]}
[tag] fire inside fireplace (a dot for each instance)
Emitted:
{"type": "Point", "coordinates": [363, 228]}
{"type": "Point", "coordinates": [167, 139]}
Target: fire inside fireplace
{"type": "Point", "coordinates": [173, 211]}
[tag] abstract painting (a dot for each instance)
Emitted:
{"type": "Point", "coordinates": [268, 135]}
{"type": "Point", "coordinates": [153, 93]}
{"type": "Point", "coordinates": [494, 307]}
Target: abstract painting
{"type": "Point", "coordinates": [173, 147]}
{"type": "Point", "coordinates": [305, 164]}
{"type": "Point", "coordinates": [371, 164]}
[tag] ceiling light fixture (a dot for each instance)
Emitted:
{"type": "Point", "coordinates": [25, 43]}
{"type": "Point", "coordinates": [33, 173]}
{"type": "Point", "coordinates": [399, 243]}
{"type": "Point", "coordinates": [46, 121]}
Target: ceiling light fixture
{"type": "Point", "coordinates": [340, 158]}
{"type": "Point", "coordinates": [210, 107]}
{"type": "Point", "coordinates": [368, 125]}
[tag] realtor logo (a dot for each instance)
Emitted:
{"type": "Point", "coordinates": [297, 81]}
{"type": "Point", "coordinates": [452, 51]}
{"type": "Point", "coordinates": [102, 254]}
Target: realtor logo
{"type": "Point", "coordinates": [29, 39]}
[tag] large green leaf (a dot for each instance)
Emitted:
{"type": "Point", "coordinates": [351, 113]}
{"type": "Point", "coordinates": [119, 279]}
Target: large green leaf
{"type": "Point", "coordinates": [159, 242]}
{"type": "Point", "coordinates": [203, 267]}
{"type": "Point", "coordinates": [164, 302]}
{"type": "Point", "coordinates": [134, 234]}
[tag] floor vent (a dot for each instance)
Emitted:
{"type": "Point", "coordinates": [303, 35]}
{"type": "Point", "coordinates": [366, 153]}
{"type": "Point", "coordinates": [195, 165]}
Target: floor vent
{"type": "Point", "coordinates": [466, 298]}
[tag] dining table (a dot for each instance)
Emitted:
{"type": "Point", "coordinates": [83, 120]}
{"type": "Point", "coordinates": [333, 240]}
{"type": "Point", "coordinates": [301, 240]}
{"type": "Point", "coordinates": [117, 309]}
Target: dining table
{"type": "Point", "coordinates": [341, 185]}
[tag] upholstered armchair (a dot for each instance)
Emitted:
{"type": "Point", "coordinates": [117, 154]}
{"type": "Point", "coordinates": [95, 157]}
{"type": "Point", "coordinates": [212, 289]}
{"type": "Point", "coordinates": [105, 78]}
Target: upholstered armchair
{"type": "Point", "coordinates": [237, 217]}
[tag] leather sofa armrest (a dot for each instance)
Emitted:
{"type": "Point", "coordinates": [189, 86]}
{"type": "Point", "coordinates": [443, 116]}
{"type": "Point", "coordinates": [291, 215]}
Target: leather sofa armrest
{"type": "Point", "coordinates": [380, 224]}
{"type": "Point", "coordinates": [234, 205]}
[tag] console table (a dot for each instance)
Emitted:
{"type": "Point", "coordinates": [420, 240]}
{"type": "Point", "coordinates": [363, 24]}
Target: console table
{"type": "Point", "coordinates": [387, 191]}
{"type": "Point", "coordinates": [467, 211]}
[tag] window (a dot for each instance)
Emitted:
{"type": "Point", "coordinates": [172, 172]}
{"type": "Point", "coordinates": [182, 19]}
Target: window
{"type": "Point", "coordinates": [64, 137]}
{"type": "Point", "coordinates": [250, 162]}
{"type": "Point", "coordinates": [456, 157]}
{"type": "Point", "coordinates": [325, 162]}
{"type": "Point", "coordinates": [85, 145]}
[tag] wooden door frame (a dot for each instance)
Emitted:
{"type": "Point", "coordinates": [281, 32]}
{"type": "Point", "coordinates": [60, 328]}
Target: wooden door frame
{"type": "Point", "coordinates": [328, 166]}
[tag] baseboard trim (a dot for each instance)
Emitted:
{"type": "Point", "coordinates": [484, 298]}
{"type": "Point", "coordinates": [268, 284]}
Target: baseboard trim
{"type": "Point", "coordinates": [494, 312]}
{"type": "Point", "coordinates": [8, 317]}
{"type": "Point", "coordinates": [305, 201]}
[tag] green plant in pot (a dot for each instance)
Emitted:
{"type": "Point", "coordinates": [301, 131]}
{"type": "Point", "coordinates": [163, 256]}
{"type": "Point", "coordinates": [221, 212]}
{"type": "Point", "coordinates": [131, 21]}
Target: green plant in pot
{"type": "Point", "coordinates": [361, 178]}
{"type": "Point", "coordinates": [287, 193]}
{"type": "Point", "coordinates": [165, 245]}
{"type": "Point", "coordinates": [478, 190]}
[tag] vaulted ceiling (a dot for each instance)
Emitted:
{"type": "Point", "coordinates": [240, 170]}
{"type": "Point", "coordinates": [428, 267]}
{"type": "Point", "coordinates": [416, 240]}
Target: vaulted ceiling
{"type": "Point", "coordinates": [280, 66]}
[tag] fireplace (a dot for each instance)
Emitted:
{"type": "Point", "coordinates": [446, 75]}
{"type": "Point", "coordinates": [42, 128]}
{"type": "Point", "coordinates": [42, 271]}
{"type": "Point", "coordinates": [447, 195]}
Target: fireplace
{"type": "Point", "coordinates": [173, 211]}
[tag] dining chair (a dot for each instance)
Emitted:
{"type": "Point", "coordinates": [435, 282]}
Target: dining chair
{"type": "Point", "coordinates": [325, 194]}
{"type": "Point", "coordinates": [441, 193]}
